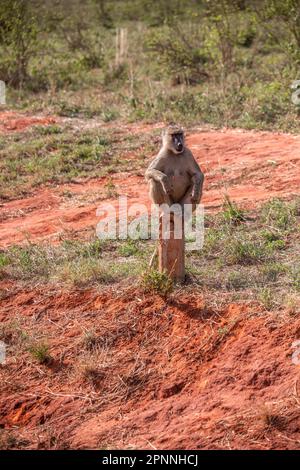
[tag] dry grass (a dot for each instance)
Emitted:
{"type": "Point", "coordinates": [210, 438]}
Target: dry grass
{"type": "Point", "coordinates": [35, 158]}
{"type": "Point", "coordinates": [249, 260]}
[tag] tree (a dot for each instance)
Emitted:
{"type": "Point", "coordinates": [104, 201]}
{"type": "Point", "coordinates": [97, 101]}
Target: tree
{"type": "Point", "coordinates": [18, 39]}
{"type": "Point", "coordinates": [285, 13]}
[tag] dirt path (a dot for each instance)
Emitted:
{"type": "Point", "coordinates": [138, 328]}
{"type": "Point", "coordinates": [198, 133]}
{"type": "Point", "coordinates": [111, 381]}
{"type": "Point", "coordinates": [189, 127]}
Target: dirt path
{"type": "Point", "coordinates": [249, 166]}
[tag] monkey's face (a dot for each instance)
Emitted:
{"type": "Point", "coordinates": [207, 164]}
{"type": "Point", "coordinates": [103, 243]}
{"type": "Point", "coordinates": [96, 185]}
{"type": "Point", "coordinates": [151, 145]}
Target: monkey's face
{"type": "Point", "coordinates": [174, 141]}
{"type": "Point", "coordinates": [178, 142]}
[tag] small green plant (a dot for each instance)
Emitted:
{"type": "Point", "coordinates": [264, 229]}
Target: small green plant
{"type": "Point", "coordinates": [279, 215]}
{"type": "Point", "coordinates": [243, 251]}
{"type": "Point", "coordinates": [231, 212]}
{"type": "Point", "coordinates": [273, 240]}
{"type": "Point", "coordinates": [266, 297]}
{"type": "Point", "coordinates": [223, 331]}
{"type": "Point", "coordinates": [110, 115]}
{"type": "Point", "coordinates": [291, 302]}
{"type": "Point", "coordinates": [4, 260]}
{"type": "Point", "coordinates": [270, 236]}
{"type": "Point", "coordinates": [236, 280]}
{"type": "Point", "coordinates": [83, 271]}
{"type": "Point", "coordinates": [212, 240]}
{"type": "Point", "coordinates": [275, 245]}
{"type": "Point", "coordinates": [272, 271]}
{"type": "Point", "coordinates": [295, 275]}
{"type": "Point", "coordinates": [111, 190]}
{"type": "Point", "coordinates": [92, 249]}
{"type": "Point", "coordinates": [130, 248]}
{"type": "Point", "coordinates": [40, 352]}
{"type": "Point", "coordinates": [156, 282]}
{"type": "Point", "coordinates": [68, 109]}
{"type": "Point", "coordinates": [48, 130]}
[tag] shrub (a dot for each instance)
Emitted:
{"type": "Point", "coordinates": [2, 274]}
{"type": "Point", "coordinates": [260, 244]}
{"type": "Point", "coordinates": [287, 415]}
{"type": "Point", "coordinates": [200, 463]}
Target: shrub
{"type": "Point", "coordinates": [40, 352]}
{"type": "Point", "coordinates": [279, 214]}
{"type": "Point", "coordinates": [243, 251]}
{"type": "Point", "coordinates": [18, 40]}
{"type": "Point", "coordinates": [156, 282]}
{"type": "Point", "coordinates": [184, 64]}
{"type": "Point", "coordinates": [231, 212]}
{"type": "Point", "coordinates": [265, 296]}
{"type": "Point", "coordinates": [295, 274]}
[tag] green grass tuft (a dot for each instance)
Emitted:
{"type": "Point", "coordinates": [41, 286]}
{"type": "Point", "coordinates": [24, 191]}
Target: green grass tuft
{"type": "Point", "coordinates": [154, 281]}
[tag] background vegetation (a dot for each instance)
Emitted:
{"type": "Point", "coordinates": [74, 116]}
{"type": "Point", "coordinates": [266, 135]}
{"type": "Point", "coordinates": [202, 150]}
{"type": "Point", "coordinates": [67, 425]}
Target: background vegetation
{"type": "Point", "coordinates": [227, 62]}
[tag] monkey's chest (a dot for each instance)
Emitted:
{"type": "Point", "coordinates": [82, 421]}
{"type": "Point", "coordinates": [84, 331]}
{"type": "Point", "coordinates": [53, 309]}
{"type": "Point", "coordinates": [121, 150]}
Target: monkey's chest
{"type": "Point", "coordinates": [180, 181]}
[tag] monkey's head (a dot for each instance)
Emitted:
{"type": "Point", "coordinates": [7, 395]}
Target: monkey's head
{"type": "Point", "coordinates": [173, 139]}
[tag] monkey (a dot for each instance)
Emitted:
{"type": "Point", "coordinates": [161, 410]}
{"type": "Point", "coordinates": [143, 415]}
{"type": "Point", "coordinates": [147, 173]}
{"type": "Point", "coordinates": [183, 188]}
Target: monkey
{"type": "Point", "coordinates": [174, 176]}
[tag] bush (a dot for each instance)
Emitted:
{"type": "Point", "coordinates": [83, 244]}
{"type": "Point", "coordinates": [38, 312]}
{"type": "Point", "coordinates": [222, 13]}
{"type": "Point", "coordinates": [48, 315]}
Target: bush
{"type": "Point", "coordinates": [243, 251]}
{"type": "Point", "coordinates": [40, 352]}
{"type": "Point", "coordinates": [156, 282]}
{"type": "Point", "coordinates": [279, 214]}
{"type": "Point", "coordinates": [231, 212]}
{"type": "Point", "coordinates": [18, 40]}
{"type": "Point", "coordinates": [184, 64]}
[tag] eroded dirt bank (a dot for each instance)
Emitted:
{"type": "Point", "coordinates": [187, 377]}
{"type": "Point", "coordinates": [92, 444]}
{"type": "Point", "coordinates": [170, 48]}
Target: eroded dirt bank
{"type": "Point", "coordinates": [248, 166]}
{"type": "Point", "coordinates": [179, 374]}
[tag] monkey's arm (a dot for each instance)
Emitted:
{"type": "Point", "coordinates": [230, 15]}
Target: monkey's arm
{"type": "Point", "coordinates": [197, 178]}
{"type": "Point", "coordinates": [155, 175]}
{"type": "Point", "coordinates": [155, 172]}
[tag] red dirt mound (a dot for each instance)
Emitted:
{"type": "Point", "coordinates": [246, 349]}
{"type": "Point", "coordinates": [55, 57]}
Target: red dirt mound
{"type": "Point", "coordinates": [248, 166]}
{"type": "Point", "coordinates": [12, 121]}
{"type": "Point", "coordinates": [147, 373]}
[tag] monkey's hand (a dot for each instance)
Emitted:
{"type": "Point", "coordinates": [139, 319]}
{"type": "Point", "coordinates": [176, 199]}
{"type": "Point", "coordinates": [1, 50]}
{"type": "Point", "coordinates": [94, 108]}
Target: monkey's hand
{"type": "Point", "coordinates": [196, 194]}
{"type": "Point", "coordinates": [166, 185]}
{"type": "Point", "coordinates": [197, 188]}
{"type": "Point", "coordinates": [195, 197]}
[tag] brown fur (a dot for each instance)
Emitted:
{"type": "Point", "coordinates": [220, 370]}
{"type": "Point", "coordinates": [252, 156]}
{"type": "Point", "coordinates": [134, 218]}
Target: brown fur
{"type": "Point", "coordinates": [174, 177]}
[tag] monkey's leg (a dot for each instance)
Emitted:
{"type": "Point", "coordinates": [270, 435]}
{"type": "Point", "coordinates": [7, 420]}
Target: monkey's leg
{"type": "Point", "coordinates": [157, 193]}
{"type": "Point", "coordinates": [187, 199]}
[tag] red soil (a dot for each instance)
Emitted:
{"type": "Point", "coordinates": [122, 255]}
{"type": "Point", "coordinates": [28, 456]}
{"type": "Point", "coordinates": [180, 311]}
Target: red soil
{"type": "Point", "coordinates": [177, 374]}
{"type": "Point", "coordinates": [249, 166]}
{"type": "Point", "coordinates": [11, 121]}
